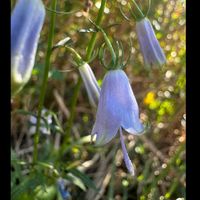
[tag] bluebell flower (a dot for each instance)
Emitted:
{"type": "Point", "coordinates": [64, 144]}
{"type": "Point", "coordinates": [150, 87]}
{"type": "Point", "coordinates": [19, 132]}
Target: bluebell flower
{"type": "Point", "coordinates": [150, 47]}
{"type": "Point", "coordinates": [117, 110]}
{"type": "Point", "coordinates": [90, 82]}
{"type": "Point", "coordinates": [26, 24]}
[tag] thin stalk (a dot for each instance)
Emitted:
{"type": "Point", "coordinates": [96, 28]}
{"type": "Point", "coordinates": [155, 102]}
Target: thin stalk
{"type": "Point", "coordinates": [172, 189]}
{"type": "Point", "coordinates": [138, 8]}
{"type": "Point", "coordinates": [132, 13]}
{"type": "Point", "coordinates": [79, 61]}
{"type": "Point", "coordinates": [149, 7]}
{"type": "Point", "coordinates": [88, 56]}
{"type": "Point", "coordinates": [45, 79]}
{"type": "Point", "coordinates": [72, 111]}
{"type": "Point", "coordinates": [77, 57]}
{"type": "Point", "coordinates": [94, 35]}
{"type": "Point", "coordinates": [112, 181]}
{"type": "Point", "coordinates": [108, 44]}
{"type": "Point", "coordinates": [61, 12]}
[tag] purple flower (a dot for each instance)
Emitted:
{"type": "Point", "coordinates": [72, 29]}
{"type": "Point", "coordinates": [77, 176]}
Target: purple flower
{"type": "Point", "coordinates": [90, 83]}
{"type": "Point", "coordinates": [150, 47]}
{"type": "Point", "coordinates": [117, 109]}
{"type": "Point", "coordinates": [26, 23]}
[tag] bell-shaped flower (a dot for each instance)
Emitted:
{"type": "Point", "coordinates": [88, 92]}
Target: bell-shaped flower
{"type": "Point", "coordinates": [90, 82]}
{"type": "Point", "coordinates": [117, 109]}
{"type": "Point", "coordinates": [150, 47]}
{"type": "Point", "coordinates": [26, 23]}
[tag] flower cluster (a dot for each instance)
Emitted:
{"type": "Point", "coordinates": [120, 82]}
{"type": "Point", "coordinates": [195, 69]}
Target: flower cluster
{"type": "Point", "coordinates": [117, 108]}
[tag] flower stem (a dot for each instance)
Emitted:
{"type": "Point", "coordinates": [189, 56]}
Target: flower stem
{"type": "Point", "coordinates": [45, 79]}
{"type": "Point", "coordinates": [79, 61]}
{"type": "Point", "coordinates": [109, 46]}
{"type": "Point", "coordinates": [107, 41]}
{"type": "Point", "coordinates": [138, 9]}
{"type": "Point", "coordinates": [94, 35]}
{"type": "Point", "coordinates": [72, 111]}
{"type": "Point", "coordinates": [149, 7]}
{"type": "Point", "coordinates": [78, 85]}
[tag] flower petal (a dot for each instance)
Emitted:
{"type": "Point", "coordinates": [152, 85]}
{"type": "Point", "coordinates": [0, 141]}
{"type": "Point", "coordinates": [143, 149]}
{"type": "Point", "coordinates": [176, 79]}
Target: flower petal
{"type": "Point", "coordinates": [127, 160]}
{"type": "Point", "coordinates": [129, 108]}
{"type": "Point", "coordinates": [108, 118]}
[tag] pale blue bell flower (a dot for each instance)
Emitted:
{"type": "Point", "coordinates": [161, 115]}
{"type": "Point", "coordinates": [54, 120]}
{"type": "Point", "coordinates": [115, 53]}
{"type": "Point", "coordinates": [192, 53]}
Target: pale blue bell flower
{"type": "Point", "coordinates": [26, 23]}
{"type": "Point", "coordinates": [117, 109]}
{"type": "Point", "coordinates": [152, 52]}
{"type": "Point", "coordinates": [90, 82]}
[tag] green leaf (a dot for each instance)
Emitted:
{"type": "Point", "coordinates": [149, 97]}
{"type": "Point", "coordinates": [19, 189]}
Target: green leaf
{"type": "Point", "coordinates": [22, 188]}
{"type": "Point", "coordinates": [47, 193]}
{"type": "Point", "coordinates": [85, 179]}
{"type": "Point", "coordinates": [75, 180]}
{"type": "Point", "coordinates": [50, 167]}
{"type": "Point", "coordinates": [16, 170]}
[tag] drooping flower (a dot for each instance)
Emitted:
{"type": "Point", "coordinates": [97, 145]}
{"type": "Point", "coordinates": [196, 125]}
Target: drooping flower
{"type": "Point", "coordinates": [90, 82]}
{"type": "Point", "coordinates": [26, 24]}
{"type": "Point", "coordinates": [117, 110]}
{"type": "Point", "coordinates": [150, 47]}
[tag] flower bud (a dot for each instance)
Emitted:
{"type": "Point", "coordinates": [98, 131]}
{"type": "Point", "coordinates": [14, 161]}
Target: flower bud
{"type": "Point", "coordinates": [90, 83]}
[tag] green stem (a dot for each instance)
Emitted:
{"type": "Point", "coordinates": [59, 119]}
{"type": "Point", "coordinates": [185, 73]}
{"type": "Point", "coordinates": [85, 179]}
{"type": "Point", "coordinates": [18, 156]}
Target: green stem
{"type": "Point", "coordinates": [72, 111]}
{"type": "Point", "coordinates": [112, 180]}
{"type": "Point", "coordinates": [108, 44]}
{"type": "Point", "coordinates": [149, 7]}
{"type": "Point", "coordinates": [45, 79]}
{"type": "Point", "coordinates": [172, 189]}
{"type": "Point", "coordinates": [79, 61]}
{"type": "Point", "coordinates": [77, 89]}
{"type": "Point", "coordinates": [94, 35]}
{"type": "Point", "coordinates": [138, 9]}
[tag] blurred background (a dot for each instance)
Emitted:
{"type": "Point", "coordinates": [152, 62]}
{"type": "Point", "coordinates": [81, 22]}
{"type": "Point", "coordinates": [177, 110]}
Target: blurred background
{"type": "Point", "coordinates": [70, 166]}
